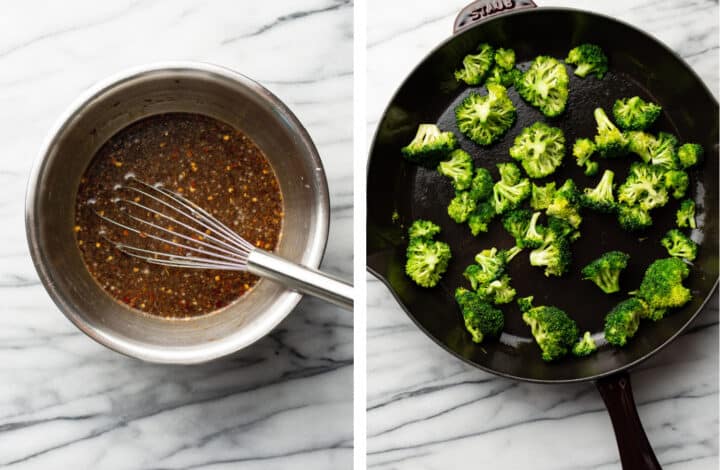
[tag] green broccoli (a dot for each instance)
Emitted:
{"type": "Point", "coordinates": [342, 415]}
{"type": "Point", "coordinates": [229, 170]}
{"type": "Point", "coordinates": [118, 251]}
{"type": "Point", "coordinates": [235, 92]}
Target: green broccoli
{"type": "Point", "coordinates": [661, 287]}
{"type": "Point", "coordinates": [633, 218]}
{"type": "Point", "coordinates": [689, 154]}
{"type": "Point", "coordinates": [588, 58]}
{"type": "Point", "coordinates": [461, 206]}
{"type": "Point", "coordinates": [609, 141]}
{"type": "Point", "coordinates": [642, 144]}
{"type": "Point", "coordinates": [679, 245]}
{"type": "Point", "coordinates": [677, 181]}
{"type": "Point", "coordinates": [585, 346]}
{"type": "Point", "coordinates": [685, 216]}
{"type": "Point", "coordinates": [623, 321]}
{"type": "Point", "coordinates": [459, 168]}
{"type": "Point", "coordinates": [516, 223]}
{"type": "Point", "coordinates": [489, 266]}
{"type": "Point", "coordinates": [525, 303]}
{"type": "Point", "coordinates": [482, 320]}
{"type": "Point", "coordinates": [540, 149]}
{"type": "Point", "coordinates": [511, 190]}
{"type": "Point", "coordinates": [554, 332]}
{"type": "Point", "coordinates": [635, 113]}
{"type": "Point", "coordinates": [534, 235]}
{"type": "Point", "coordinates": [600, 198]}
{"type": "Point", "coordinates": [664, 153]}
{"type": "Point", "coordinates": [485, 118]}
{"type": "Point", "coordinates": [505, 58]}
{"type": "Point", "coordinates": [427, 261]}
{"type": "Point", "coordinates": [605, 271]}
{"type": "Point", "coordinates": [560, 228]}
{"type": "Point", "coordinates": [480, 218]}
{"type": "Point", "coordinates": [545, 85]}
{"type": "Point", "coordinates": [506, 78]}
{"type": "Point", "coordinates": [583, 149]}
{"type": "Point", "coordinates": [554, 255]}
{"type": "Point", "coordinates": [498, 291]}
{"type": "Point", "coordinates": [423, 229]}
{"type": "Point", "coordinates": [481, 185]}
{"type": "Point", "coordinates": [429, 146]}
{"type": "Point", "coordinates": [476, 66]}
{"type": "Point", "coordinates": [645, 186]}
{"type": "Point", "coordinates": [566, 204]}
{"type": "Point", "coordinates": [542, 196]}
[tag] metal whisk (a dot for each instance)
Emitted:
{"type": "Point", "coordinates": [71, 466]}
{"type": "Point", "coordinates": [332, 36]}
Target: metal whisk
{"type": "Point", "coordinates": [201, 241]}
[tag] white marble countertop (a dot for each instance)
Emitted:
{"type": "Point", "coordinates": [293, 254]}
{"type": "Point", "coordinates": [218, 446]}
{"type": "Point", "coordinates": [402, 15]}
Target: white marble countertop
{"type": "Point", "coordinates": [67, 402]}
{"type": "Point", "coordinates": [428, 410]}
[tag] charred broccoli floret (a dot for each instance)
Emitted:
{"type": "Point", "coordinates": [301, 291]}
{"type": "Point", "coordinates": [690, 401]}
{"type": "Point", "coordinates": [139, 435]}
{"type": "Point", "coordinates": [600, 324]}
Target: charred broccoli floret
{"type": "Point", "coordinates": [480, 218]}
{"type": "Point", "coordinates": [585, 346]}
{"type": "Point", "coordinates": [429, 146]}
{"type": "Point", "coordinates": [689, 154]}
{"type": "Point", "coordinates": [600, 198]}
{"type": "Point", "coordinates": [583, 149]}
{"type": "Point", "coordinates": [516, 223]}
{"type": "Point", "coordinates": [545, 85]}
{"type": "Point", "coordinates": [476, 66]}
{"type": "Point", "coordinates": [554, 332]}
{"type": "Point", "coordinates": [511, 190]}
{"type": "Point", "coordinates": [685, 216]}
{"type": "Point", "coordinates": [633, 218]}
{"type": "Point", "coordinates": [588, 58]}
{"type": "Point", "coordinates": [554, 255]}
{"type": "Point", "coordinates": [485, 118]}
{"type": "Point", "coordinates": [635, 113]}
{"type": "Point", "coordinates": [605, 271]}
{"type": "Point", "coordinates": [423, 229]}
{"type": "Point", "coordinates": [459, 168]}
{"type": "Point", "coordinates": [461, 206]}
{"type": "Point", "coordinates": [505, 58]}
{"type": "Point", "coordinates": [623, 320]}
{"type": "Point", "coordinates": [664, 152]}
{"type": "Point", "coordinates": [482, 320]}
{"type": "Point", "coordinates": [540, 149]}
{"type": "Point", "coordinates": [427, 261]}
{"type": "Point", "coordinates": [661, 287]}
{"type": "Point", "coordinates": [609, 141]}
{"type": "Point", "coordinates": [679, 245]}
{"type": "Point", "coordinates": [677, 181]}
{"type": "Point", "coordinates": [481, 185]}
{"type": "Point", "coordinates": [498, 291]}
{"type": "Point", "coordinates": [542, 196]}
{"type": "Point", "coordinates": [644, 186]}
{"type": "Point", "coordinates": [566, 204]}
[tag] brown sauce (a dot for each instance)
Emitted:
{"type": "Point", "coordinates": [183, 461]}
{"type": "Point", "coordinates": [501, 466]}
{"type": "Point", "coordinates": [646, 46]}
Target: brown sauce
{"type": "Point", "coordinates": [208, 162]}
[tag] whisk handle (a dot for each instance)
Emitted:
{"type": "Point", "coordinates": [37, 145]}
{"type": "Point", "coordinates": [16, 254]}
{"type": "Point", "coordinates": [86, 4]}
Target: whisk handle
{"type": "Point", "coordinates": [302, 279]}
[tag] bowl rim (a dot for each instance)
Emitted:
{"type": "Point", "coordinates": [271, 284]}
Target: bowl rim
{"type": "Point", "coordinates": [284, 303]}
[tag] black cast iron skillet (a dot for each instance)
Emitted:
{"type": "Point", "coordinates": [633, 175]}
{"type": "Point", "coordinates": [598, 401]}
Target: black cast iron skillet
{"type": "Point", "coordinates": [640, 65]}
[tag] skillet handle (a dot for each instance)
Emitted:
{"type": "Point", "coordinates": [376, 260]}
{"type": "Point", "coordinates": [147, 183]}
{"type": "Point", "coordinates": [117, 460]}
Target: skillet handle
{"type": "Point", "coordinates": [480, 10]}
{"type": "Point", "coordinates": [635, 450]}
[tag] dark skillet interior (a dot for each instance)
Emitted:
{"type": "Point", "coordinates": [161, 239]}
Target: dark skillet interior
{"type": "Point", "coordinates": [639, 66]}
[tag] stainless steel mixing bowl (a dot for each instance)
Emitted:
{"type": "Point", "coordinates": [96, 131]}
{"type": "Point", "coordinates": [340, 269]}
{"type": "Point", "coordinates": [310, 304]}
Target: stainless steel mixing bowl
{"type": "Point", "coordinates": [114, 104]}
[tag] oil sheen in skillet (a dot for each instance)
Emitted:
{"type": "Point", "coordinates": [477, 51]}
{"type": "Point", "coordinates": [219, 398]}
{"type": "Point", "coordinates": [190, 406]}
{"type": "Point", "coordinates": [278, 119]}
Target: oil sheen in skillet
{"type": "Point", "coordinates": [207, 161]}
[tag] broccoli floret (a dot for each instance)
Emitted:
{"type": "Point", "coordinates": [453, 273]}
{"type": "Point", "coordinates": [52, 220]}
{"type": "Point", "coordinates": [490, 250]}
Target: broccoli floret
{"type": "Point", "coordinates": [661, 287]}
{"type": "Point", "coordinates": [664, 152]}
{"type": "Point", "coordinates": [633, 218]}
{"type": "Point", "coordinates": [542, 195]}
{"type": "Point", "coordinates": [423, 229]}
{"type": "Point", "coordinates": [623, 320]}
{"type": "Point", "coordinates": [677, 181]}
{"type": "Point", "coordinates": [427, 261]}
{"type": "Point", "coordinates": [506, 78]}
{"type": "Point", "coordinates": [583, 149]}
{"type": "Point", "coordinates": [476, 66]}
{"type": "Point", "coordinates": [685, 216]}
{"type": "Point", "coordinates": [641, 144]}
{"type": "Point", "coordinates": [588, 58]}
{"type": "Point", "coordinates": [516, 223]}
{"type": "Point", "coordinates": [485, 118]}
{"type": "Point", "coordinates": [534, 235]}
{"type": "Point", "coordinates": [585, 346]}
{"type": "Point", "coordinates": [645, 185]}
{"type": "Point", "coordinates": [559, 228]}
{"type": "Point", "coordinates": [600, 198]}
{"type": "Point", "coordinates": [505, 58]}
{"type": "Point", "coordinates": [498, 291]}
{"type": "Point", "coordinates": [689, 154]}
{"type": "Point", "coordinates": [482, 320]}
{"type": "Point", "coordinates": [480, 218]}
{"type": "Point", "coordinates": [461, 206]}
{"type": "Point", "coordinates": [481, 185]}
{"type": "Point", "coordinates": [511, 190]}
{"type": "Point", "coordinates": [635, 113]}
{"type": "Point", "coordinates": [459, 168]}
{"type": "Point", "coordinates": [605, 271]}
{"type": "Point", "coordinates": [540, 149]}
{"type": "Point", "coordinates": [545, 85]}
{"type": "Point", "coordinates": [525, 303]}
{"type": "Point", "coordinates": [679, 245]}
{"type": "Point", "coordinates": [554, 255]}
{"type": "Point", "coordinates": [566, 204]}
{"type": "Point", "coordinates": [553, 330]}
{"type": "Point", "coordinates": [490, 264]}
{"type": "Point", "coordinates": [429, 146]}
{"type": "Point", "coordinates": [609, 141]}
